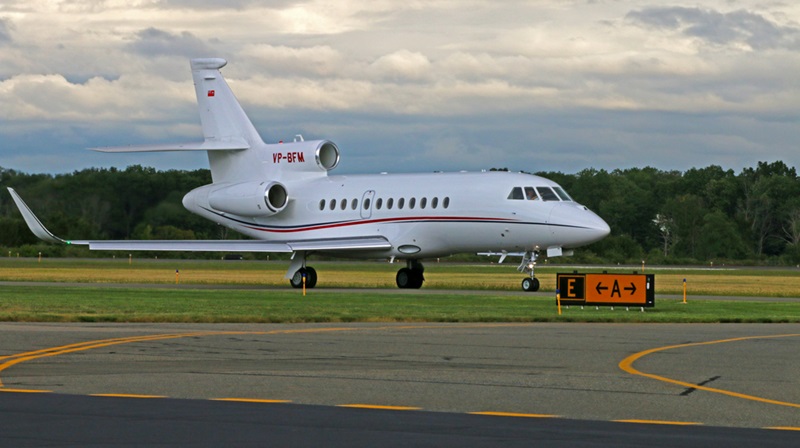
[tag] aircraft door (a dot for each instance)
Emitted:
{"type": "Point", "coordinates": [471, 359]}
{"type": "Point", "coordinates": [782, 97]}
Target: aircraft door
{"type": "Point", "coordinates": [366, 204]}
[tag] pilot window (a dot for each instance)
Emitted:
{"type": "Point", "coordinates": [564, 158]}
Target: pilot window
{"type": "Point", "coordinates": [547, 194]}
{"type": "Point", "coordinates": [530, 194]}
{"type": "Point", "coordinates": [562, 194]}
{"type": "Point", "coordinates": [516, 193]}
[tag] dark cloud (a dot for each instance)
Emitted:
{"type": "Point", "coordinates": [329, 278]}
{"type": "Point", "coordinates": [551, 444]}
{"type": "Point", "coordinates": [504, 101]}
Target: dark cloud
{"type": "Point", "coordinates": [720, 28]}
{"type": "Point", "coordinates": [155, 42]}
{"type": "Point", "coordinates": [5, 31]}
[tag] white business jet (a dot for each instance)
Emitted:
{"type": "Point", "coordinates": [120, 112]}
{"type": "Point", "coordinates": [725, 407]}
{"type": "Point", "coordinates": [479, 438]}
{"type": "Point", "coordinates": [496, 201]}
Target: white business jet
{"type": "Point", "coordinates": [282, 197]}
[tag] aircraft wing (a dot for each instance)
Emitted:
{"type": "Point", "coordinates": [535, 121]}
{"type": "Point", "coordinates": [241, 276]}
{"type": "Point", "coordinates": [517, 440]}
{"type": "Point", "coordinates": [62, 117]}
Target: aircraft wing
{"type": "Point", "coordinates": [326, 244]}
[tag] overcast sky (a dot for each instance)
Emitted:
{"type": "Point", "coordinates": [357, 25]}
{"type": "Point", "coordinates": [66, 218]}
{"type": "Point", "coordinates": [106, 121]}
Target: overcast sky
{"type": "Point", "coordinates": [410, 85]}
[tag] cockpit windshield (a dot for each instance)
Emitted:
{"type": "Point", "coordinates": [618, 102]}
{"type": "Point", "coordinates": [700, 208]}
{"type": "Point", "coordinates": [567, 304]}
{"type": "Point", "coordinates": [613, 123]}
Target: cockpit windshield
{"type": "Point", "coordinates": [536, 193]}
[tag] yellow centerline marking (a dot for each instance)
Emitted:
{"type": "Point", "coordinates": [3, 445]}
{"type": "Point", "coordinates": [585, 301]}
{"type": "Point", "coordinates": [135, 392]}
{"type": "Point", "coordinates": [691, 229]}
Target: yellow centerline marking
{"type": "Point", "coordinates": [658, 422]}
{"type": "Point", "coordinates": [251, 400]}
{"type": "Point", "coordinates": [127, 396]}
{"type": "Point", "coordinates": [513, 414]}
{"type": "Point", "coordinates": [784, 428]}
{"type": "Point", "coordinates": [378, 406]}
{"type": "Point", "coordinates": [627, 365]}
{"type": "Point", "coordinates": [26, 391]}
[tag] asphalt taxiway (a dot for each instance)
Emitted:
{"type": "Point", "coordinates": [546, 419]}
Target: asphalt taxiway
{"type": "Point", "coordinates": [644, 376]}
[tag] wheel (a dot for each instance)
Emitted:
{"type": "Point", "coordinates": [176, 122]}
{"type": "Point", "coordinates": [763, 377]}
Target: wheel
{"type": "Point", "coordinates": [311, 277]}
{"type": "Point", "coordinates": [409, 278]}
{"type": "Point", "coordinates": [403, 278]}
{"type": "Point", "coordinates": [530, 284]}
{"type": "Point", "coordinates": [297, 279]}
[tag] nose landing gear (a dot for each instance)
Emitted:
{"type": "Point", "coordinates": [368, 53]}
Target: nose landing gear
{"type": "Point", "coordinates": [528, 265]}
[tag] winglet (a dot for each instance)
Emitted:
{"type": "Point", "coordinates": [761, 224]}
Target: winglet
{"type": "Point", "coordinates": [33, 222]}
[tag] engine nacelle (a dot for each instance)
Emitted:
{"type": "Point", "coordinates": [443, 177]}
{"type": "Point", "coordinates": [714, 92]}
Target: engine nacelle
{"type": "Point", "coordinates": [315, 155]}
{"type": "Point", "coordinates": [250, 199]}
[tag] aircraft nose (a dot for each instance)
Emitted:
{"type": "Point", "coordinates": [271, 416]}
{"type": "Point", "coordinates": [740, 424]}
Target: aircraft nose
{"type": "Point", "coordinates": [577, 225]}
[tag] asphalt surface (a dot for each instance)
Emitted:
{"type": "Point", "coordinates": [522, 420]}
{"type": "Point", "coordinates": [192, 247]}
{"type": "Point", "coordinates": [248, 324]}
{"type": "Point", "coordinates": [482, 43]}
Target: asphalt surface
{"type": "Point", "coordinates": [556, 384]}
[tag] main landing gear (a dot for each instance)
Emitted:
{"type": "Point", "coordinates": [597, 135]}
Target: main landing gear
{"type": "Point", "coordinates": [528, 264]}
{"type": "Point", "coordinates": [410, 277]}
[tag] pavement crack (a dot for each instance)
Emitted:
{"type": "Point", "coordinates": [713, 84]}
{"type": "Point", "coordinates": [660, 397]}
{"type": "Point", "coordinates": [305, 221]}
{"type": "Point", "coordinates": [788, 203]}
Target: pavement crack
{"type": "Point", "coordinates": [703, 383]}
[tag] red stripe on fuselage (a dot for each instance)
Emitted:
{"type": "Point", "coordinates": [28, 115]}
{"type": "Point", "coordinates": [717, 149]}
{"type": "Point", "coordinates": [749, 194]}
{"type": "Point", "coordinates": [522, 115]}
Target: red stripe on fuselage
{"type": "Point", "coordinates": [377, 221]}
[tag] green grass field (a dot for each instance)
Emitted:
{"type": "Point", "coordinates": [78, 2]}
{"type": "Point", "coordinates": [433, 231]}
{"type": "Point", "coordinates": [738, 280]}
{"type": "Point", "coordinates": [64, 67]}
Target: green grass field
{"type": "Point", "coordinates": [271, 300]}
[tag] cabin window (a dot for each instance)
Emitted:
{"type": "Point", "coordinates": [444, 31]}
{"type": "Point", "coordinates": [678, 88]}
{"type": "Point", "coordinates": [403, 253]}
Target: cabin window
{"type": "Point", "coordinates": [530, 194]}
{"type": "Point", "coordinates": [562, 194]}
{"type": "Point", "coordinates": [354, 204]}
{"type": "Point", "coordinates": [434, 202]}
{"type": "Point", "coordinates": [366, 204]}
{"type": "Point", "coordinates": [423, 202]}
{"type": "Point", "coordinates": [401, 202]}
{"type": "Point", "coordinates": [412, 203]}
{"type": "Point", "coordinates": [389, 203]}
{"type": "Point", "coordinates": [446, 202]}
{"type": "Point", "coordinates": [322, 204]}
{"type": "Point", "coordinates": [333, 204]}
{"type": "Point", "coordinates": [516, 193]}
{"type": "Point", "coordinates": [547, 194]}
{"type": "Point", "coordinates": [379, 203]}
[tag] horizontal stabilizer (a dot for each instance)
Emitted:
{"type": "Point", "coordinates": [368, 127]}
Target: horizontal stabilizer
{"type": "Point", "coordinates": [208, 145]}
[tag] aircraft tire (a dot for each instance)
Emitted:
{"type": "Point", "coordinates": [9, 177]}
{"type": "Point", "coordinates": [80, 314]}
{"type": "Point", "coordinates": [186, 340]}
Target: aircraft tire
{"type": "Point", "coordinates": [403, 278]}
{"type": "Point", "coordinates": [311, 277]}
{"type": "Point", "coordinates": [297, 279]}
{"type": "Point", "coordinates": [530, 284]}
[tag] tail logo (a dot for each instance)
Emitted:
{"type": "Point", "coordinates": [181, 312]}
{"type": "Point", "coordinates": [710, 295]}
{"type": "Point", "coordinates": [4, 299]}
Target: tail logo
{"type": "Point", "coordinates": [211, 93]}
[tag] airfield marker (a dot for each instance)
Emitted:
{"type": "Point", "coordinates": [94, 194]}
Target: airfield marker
{"type": "Point", "coordinates": [684, 290]}
{"type": "Point", "coordinates": [558, 300]}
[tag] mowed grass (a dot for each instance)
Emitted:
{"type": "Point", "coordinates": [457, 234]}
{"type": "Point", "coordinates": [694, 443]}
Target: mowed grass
{"type": "Point", "coordinates": [270, 299]}
{"type": "Point", "coordinates": [489, 277]}
{"type": "Point", "coordinates": [96, 304]}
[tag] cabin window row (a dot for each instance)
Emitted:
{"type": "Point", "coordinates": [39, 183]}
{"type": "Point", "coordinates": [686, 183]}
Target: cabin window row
{"type": "Point", "coordinates": [389, 203]}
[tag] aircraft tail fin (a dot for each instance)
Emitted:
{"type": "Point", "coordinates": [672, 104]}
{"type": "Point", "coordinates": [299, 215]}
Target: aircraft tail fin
{"type": "Point", "coordinates": [228, 133]}
{"type": "Point", "coordinates": [222, 117]}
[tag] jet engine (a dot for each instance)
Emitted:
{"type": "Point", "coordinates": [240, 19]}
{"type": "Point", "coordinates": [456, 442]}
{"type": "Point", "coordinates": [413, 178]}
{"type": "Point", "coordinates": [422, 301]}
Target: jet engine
{"type": "Point", "coordinates": [250, 199]}
{"type": "Point", "coordinates": [303, 156]}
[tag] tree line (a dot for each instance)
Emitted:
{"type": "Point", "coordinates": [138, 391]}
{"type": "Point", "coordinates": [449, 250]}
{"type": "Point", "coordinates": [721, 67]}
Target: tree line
{"type": "Point", "coordinates": [703, 215]}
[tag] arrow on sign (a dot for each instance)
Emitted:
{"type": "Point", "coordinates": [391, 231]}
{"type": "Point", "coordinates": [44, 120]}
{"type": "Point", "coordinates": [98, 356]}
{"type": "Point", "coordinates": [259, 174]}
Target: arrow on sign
{"type": "Point", "coordinates": [600, 288]}
{"type": "Point", "coordinates": [632, 289]}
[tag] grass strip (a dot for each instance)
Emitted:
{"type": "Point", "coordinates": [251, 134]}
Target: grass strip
{"type": "Point", "coordinates": [97, 304]}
